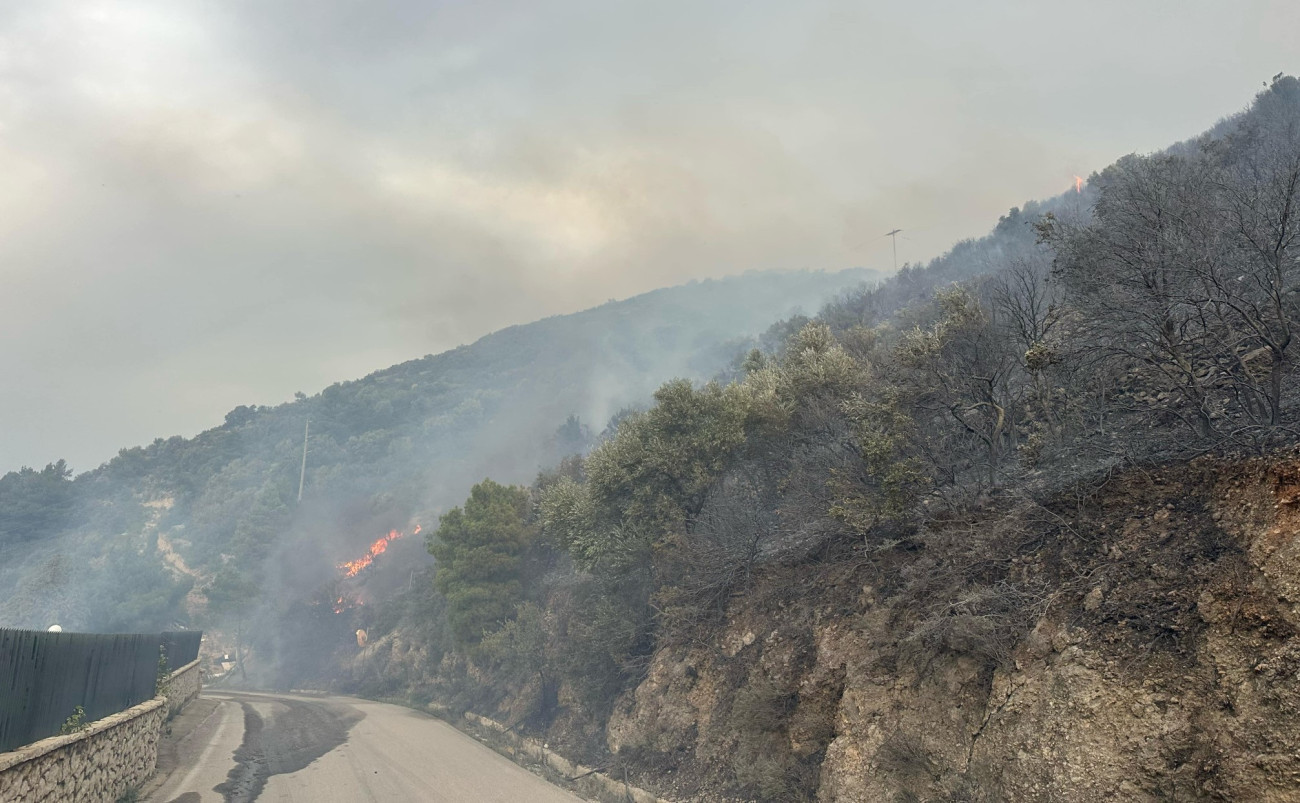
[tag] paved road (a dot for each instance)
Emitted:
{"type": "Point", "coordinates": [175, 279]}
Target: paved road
{"type": "Point", "coordinates": [244, 747]}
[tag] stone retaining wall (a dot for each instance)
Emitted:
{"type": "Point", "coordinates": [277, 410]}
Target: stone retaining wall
{"type": "Point", "coordinates": [183, 685]}
{"type": "Point", "coordinates": [100, 763]}
{"type": "Point", "coordinates": [588, 780]}
{"type": "Point", "coordinates": [96, 765]}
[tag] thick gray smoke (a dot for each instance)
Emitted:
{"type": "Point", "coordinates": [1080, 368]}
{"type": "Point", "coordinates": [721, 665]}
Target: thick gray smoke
{"type": "Point", "coordinates": [210, 204]}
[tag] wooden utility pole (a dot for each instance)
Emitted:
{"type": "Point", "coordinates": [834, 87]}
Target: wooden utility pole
{"type": "Point", "coordinates": [302, 477]}
{"type": "Point", "coordinates": [893, 235]}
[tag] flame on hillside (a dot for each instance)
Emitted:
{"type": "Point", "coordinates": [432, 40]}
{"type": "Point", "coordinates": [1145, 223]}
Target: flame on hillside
{"type": "Point", "coordinates": [344, 603]}
{"type": "Point", "coordinates": [1078, 184]}
{"type": "Point", "coordinates": [352, 567]}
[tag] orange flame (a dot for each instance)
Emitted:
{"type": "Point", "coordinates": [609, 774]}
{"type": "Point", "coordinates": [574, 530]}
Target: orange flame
{"type": "Point", "coordinates": [346, 603]}
{"type": "Point", "coordinates": [352, 567]}
{"type": "Point", "coordinates": [1078, 184]}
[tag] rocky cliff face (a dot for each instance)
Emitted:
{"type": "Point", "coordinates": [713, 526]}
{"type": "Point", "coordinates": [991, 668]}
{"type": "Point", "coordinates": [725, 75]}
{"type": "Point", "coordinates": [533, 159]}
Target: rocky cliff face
{"type": "Point", "coordinates": [1134, 640]}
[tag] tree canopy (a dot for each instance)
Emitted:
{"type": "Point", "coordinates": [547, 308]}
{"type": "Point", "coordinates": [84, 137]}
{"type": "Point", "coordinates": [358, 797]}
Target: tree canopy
{"type": "Point", "coordinates": [478, 549]}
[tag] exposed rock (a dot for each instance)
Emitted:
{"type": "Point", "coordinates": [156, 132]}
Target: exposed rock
{"type": "Point", "coordinates": [1178, 679]}
{"type": "Point", "coordinates": [1093, 601]}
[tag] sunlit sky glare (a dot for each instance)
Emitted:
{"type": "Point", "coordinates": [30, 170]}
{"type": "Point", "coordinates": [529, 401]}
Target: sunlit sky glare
{"type": "Point", "coordinates": [207, 204]}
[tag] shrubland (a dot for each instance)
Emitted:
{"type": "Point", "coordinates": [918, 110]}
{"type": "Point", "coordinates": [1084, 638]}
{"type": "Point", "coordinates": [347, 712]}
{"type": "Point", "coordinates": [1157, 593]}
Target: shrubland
{"type": "Point", "coordinates": [948, 466]}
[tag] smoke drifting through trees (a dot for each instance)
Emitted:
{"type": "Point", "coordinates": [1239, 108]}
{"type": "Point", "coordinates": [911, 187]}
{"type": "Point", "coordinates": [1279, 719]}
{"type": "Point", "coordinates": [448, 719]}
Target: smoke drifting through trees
{"type": "Point", "coordinates": [1158, 325]}
{"type": "Point", "coordinates": [1148, 314]}
{"type": "Point", "coordinates": [208, 531]}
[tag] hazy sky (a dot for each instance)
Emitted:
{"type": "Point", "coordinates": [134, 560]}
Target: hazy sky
{"type": "Point", "coordinates": [205, 204]}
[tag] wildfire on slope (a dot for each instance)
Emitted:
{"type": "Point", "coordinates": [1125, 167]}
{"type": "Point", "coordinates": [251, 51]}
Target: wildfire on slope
{"type": "Point", "coordinates": [337, 597]}
{"type": "Point", "coordinates": [352, 567]}
{"type": "Point", "coordinates": [344, 602]}
{"type": "Point", "coordinates": [1078, 184]}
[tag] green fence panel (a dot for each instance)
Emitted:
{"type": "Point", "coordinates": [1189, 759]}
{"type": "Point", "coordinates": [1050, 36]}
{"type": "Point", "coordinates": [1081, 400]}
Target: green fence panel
{"type": "Point", "coordinates": [44, 677]}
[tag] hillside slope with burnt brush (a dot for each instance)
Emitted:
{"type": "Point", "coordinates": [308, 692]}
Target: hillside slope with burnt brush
{"type": "Point", "coordinates": [1028, 535]}
{"type": "Point", "coordinates": [1133, 638]}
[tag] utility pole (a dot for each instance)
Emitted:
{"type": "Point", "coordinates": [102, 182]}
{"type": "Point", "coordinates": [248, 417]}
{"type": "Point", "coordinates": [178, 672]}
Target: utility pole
{"type": "Point", "coordinates": [302, 478]}
{"type": "Point", "coordinates": [893, 235]}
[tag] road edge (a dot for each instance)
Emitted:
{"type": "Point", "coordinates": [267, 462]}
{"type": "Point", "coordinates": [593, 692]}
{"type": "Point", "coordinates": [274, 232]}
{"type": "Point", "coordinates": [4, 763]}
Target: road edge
{"type": "Point", "coordinates": [590, 782]}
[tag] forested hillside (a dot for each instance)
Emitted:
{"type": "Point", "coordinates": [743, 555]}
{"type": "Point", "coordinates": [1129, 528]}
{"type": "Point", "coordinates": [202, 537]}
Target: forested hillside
{"type": "Point", "coordinates": [1012, 525]}
{"type": "Point", "coordinates": [1018, 523]}
{"type": "Point", "coordinates": [209, 530]}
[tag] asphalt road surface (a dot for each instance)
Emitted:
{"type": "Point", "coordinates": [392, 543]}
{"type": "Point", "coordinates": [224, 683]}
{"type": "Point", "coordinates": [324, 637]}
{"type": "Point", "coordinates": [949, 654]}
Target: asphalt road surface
{"type": "Point", "coordinates": [241, 747]}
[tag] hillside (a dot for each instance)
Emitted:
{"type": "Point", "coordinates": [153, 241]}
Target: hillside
{"type": "Point", "coordinates": [102, 551]}
{"type": "Point", "coordinates": [1017, 525]}
{"type": "Point", "coordinates": [1155, 661]}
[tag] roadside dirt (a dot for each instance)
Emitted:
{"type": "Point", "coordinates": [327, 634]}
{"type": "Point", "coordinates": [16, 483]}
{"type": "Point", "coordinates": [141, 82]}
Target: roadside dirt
{"type": "Point", "coordinates": [175, 741]}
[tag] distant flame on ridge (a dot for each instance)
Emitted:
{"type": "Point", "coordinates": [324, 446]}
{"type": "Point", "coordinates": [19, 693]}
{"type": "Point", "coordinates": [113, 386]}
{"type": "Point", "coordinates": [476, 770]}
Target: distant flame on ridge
{"type": "Point", "coordinates": [352, 567]}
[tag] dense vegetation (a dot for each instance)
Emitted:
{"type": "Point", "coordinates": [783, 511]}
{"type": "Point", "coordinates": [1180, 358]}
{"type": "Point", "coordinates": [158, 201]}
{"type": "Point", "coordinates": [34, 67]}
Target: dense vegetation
{"type": "Point", "coordinates": [210, 531]}
{"type": "Point", "coordinates": [1151, 318]}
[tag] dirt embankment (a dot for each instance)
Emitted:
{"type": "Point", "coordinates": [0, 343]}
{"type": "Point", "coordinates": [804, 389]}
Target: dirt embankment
{"type": "Point", "coordinates": [195, 602]}
{"type": "Point", "coordinates": [1133, 641]}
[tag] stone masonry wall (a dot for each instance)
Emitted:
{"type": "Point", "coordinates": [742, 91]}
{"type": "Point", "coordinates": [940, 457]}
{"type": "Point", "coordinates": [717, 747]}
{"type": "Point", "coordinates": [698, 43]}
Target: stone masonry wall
{"type": "Point", "coordinates": [183, 685]}
{"type": "Point", "coordinates": [101, 762]}
{"type": "Point", "coordinates": [96, 765]}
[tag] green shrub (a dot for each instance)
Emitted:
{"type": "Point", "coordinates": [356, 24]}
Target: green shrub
{"type": "Point", "coordinates": [75, 723]}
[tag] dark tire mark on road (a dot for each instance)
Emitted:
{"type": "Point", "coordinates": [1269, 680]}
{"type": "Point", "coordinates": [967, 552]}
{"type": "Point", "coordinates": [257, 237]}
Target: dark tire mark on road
{"type": "Point", "coordinates": [299, 733]}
